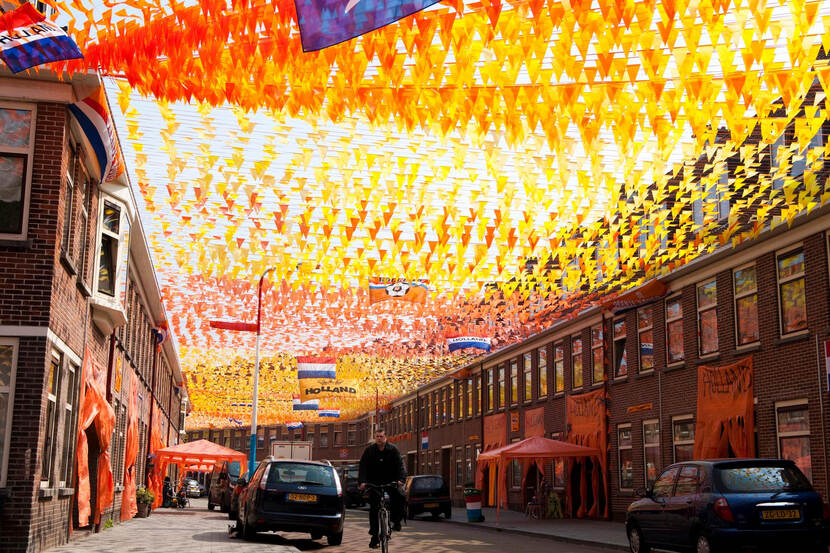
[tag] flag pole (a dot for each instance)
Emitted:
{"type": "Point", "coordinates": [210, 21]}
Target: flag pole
{"type": "Point", "coordinates": [252, 449]}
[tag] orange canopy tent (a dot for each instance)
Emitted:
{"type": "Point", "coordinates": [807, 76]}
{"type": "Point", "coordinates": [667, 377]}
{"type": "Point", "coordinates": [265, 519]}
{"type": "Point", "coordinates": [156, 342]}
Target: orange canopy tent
{"type": "Point", "coordinates": [531, 450]}
{"type": "Point", "coordinates": [198, 455]}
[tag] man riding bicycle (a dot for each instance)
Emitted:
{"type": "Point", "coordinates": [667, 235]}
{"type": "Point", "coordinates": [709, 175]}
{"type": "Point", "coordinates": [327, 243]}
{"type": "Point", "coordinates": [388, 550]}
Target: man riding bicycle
{"type": "Point", "coordinates": [381, 463]}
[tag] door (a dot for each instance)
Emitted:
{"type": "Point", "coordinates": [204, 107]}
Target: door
{"type": "Point", "coordinates": [446, 454]}
{"type": "Point", "coordinates": [679, 511]}
{"type": "Point", "coordinates": [410, 463]}
{"type": "Point", "coordinates": [650, 511]}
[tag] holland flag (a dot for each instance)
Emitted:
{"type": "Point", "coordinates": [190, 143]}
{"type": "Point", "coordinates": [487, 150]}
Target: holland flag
{"type": "Point", "coordinates": [310, 405]}
{"type": "Point", "coordinates": [316, 367]}
{"type": "Point", "coordinates": [455, 342]}
{"type": "Point", "coordinates": [294, 425]}
{"type": "Point", "coordinates": [333, 413]}
{"type": "Point", "coordinates": [93, 117]}
{"type": "Point", "coordinates": [27, 40]}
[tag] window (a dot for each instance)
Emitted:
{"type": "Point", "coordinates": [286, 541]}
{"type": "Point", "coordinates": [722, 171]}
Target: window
{"type": "Point", "coordinates": [514, 382]}
{"type": "Point", "coordinates": [469, 474]}
{"type": "Point", "coordinates": [620, 361]}
{"type": "Point", "coordinates": [8, 368]}
{"type": "Point", "coordinates": [528, 372]}
{"type": "Point", "coordinates": [792, 420]}
{"type": "Point", "coordinates": [597, 354]}
{"type": "Point", "coordinates": [683, 438]}
{"type": "Point", "coordinates": [576, 362]}
{"type": "Point", "coordinates": [459, 467]}
{"type": "Point", "coordinates": [501, 370]}
{"type": "Point", "coordinates": [338, 437]}
{"type": "Point", "coordinates": [674, 330]}
{"type": "Point", "coordinates": [799, 163]}
{"type": "Point", "coordinates": [72, 169]}
{"type": "Point", "coordinates": [687, 481]}
{"type": "Point", "coordinates": [645, 334]}
{"type": "Point", "coordinates": [542, 382]}
{"type": "Point", "coordinates": [350, 436]}
{"type": "Point", "coordinates": [707, 317]}
{"type": "Point", "coordinates": [651, 449]}
{"type": "Point", "coordinates": [559, 367]}
{"type": "Point", "coordinates": [664, 485]}
{"type": "Point", "coordinates": [469, 394]}
{"type": "Point", "coordinates": [52, 390]}
{"type": "Point", "coordinates": [108, 255]}
{"type": "Point", "coordinates": [713, 204]}
{"type": "Point", "coordinates": [491, 390]}
{"type": "Point", "coordinates": [324, 439]}
{"type": "Point", "coordinates": [791, 291]}
{"type": "Point", "coordinates": [515, 470]}
{"type": "Point", "coordinates": [746, 305]}
{"type": "Point", "coordinates": [16, 145]}
{"type": "Point", "coordinates": [626, 457]}
{"type": "Point", "coordinates": [71, 380]}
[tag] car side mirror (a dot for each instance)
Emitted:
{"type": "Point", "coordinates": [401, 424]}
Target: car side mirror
{"type": "Point", "coordinates": [642, 492]}
{"type": "Point", "coordinates": [241, 481]}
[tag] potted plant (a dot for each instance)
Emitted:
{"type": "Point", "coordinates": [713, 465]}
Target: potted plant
{"type": "Point", "coordinates": [144, 498]}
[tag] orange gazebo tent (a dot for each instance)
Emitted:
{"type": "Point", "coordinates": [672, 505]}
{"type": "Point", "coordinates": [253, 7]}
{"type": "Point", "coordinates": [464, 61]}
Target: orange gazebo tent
{"type": "Point", "coordinates": [198, 455]}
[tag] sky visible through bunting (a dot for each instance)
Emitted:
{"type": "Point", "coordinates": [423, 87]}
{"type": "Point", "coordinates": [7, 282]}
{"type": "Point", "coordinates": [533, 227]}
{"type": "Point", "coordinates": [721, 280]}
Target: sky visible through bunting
{"type": "Point", "coordinates": [456, 145]}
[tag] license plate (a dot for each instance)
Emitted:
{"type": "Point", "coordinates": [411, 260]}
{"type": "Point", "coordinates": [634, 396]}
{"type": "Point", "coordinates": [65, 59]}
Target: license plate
{"type": "Point", "coordinates": [431, 505]}
{"type": "Point", "coordinates": [781, 514]}
{"type": "Point", "coordinates": [302, 497]}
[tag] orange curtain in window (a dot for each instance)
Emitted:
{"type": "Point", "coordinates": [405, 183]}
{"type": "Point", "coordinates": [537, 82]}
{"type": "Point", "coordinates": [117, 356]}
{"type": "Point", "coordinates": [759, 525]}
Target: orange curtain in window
{"type": "Point", "coordinates": [725, 411]}
{"type": "Point", "coordinates": [128, 503]}
{"type": "Point", "coordinates": [94, 410]}
{"type": "Point", "coordinates": [587, 426]}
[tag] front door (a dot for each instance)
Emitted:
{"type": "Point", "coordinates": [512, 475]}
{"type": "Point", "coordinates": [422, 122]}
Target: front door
{"type": "Point", "coordinates": [446, 454]}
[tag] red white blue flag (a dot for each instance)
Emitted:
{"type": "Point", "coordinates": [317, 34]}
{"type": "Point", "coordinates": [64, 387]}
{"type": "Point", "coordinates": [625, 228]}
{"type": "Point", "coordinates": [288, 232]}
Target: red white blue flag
{"type": "Point", "coordinates": [296, 425]}
{"type": "Point", "coordinates": [456, 342]}
{"type": "Point", "coordinates": [93, 117]}
{"type": "Point", "coordinates": [28, 40]}
{"type": "Point", "coordinates": [333, 413]}
{"type": "Point", "coordinates": [324, 23]}
{"type": "Point", "coordinates": [316, 367]}
{"type": "Point", "coordinates": [310, 405]}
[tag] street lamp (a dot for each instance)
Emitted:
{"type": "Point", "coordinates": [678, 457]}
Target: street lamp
{"type": "Point", "coordinates": [249, 327]}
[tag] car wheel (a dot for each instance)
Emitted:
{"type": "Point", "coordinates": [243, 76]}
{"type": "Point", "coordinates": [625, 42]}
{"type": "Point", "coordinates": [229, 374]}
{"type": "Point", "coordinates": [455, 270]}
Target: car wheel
{"type": "Point", "coordinates": [703, 545]}
{"type": "Point", "coordinates": [316, 535]}
{"type": "Point", "coordinates": [335, 539]}
{"type": "Point", "coordinates": [248, 530]}
{"type": "Point", "coordinates": [210, 506]}
{"type": "Point", "coordinates": [435, 515]}
{"type": "Point", "coordinates": [448, 515]}
{"type": "Point", "coordinates": [636, 541]}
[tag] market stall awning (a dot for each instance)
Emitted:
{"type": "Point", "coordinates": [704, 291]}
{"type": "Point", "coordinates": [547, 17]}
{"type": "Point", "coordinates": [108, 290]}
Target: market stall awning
{"type": "Point", "coordinates": [537, 447]}
{"type": "Point", "coordinates": [200, 452]}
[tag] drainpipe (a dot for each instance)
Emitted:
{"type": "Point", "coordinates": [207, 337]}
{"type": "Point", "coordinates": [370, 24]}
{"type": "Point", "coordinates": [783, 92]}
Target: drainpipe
{"type": "Point", "coordinates": [110, 366]}
{"type": "Point", "coordinates": [156, 354]}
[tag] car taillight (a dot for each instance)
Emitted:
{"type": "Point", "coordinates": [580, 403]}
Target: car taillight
{"type": "Point", "coordinates": [337, 484]}
{"type": "Point", "coordinates": [722, 509]}
{"type": "Point", "coordinates": [264, 480]}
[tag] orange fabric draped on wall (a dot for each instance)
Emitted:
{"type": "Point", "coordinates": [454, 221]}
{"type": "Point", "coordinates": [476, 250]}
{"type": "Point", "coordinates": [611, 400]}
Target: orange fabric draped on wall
{"type": "Point", "coordinates": [725, 417]}
{"type": "Point", "coordinates": [495, 436]}
{"type": "Point", "coordinates": [128, 503]}
{"type": "Point", "coordinates": [94, 410]}
{"type": "Point", "coordinates": [159, 468]}
{"type": "Point", "coordinates": [587, 426]}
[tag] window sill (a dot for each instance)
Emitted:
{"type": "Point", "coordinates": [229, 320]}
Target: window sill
{"type": "Point", "coordinates": [68, 265]}
{"type": "Point", "coordinates": [709, 357]}
{"type": "Point", "coordinates": [746, 348]}
{"type": "Point", "coordinates": [46, 493]}
{"type": "Point", "coordinates": [597, 385]}
{"type": "Point", "coordinates": [66, 492]}
{"type": "Point", "coordinates": [674, 367]}
{"type": "Point", "coordinates": [559, 394]}
{"type": "Point", "coordinates": [794, 337]}
{"type": "Point", "coordinates": [81, 285]}
{"type": "Point", "coordinates": [646, 374]}
{"type": "Point", "coordinates": [626, 493]}
{"type": "Point", "coordinates": [619, 379]}
{"type": "Point", "coordinates": [22, 244]}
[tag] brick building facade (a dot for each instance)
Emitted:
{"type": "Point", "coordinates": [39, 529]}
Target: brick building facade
{"type": "Point", "coordinates": [77, 292]}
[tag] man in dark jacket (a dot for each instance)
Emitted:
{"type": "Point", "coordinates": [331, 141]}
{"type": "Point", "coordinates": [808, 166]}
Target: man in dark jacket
{"type": "Point", "coordinates": [381, 463]}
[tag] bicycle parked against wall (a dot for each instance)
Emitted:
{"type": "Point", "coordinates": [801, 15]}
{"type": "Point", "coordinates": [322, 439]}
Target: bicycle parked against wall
{"type": "Point", "coordinates": [384, 524]}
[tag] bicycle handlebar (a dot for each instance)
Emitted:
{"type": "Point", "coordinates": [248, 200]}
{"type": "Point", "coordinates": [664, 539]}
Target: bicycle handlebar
{"type": "Point", "coordinates": [381, 486]}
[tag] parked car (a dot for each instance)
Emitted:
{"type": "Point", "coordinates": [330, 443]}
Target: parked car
{"type": "Point", "coordinates": [194, 489]}
{"type": "Point", "coordinates": [233, 511]}
{"type": "Point", "coordinates": [725, 505]}
{"type": "Point", "coordinates": [286, 495]}
{"type": "Point", "coordinates": [353, 495]}
{"type": "Point", "coordinates": [222, 481]}
{"type": "Point", "coordinates": [427, 493]}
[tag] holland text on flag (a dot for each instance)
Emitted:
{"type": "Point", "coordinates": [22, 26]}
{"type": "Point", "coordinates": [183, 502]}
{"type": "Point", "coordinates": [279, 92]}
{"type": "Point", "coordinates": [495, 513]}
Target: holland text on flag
{"type": "Point", "coordinates": [28, 40]}
{"type": "Point", "coordinates": [461, 342]}
{"type": "Point", "coordinates": [316, 367]}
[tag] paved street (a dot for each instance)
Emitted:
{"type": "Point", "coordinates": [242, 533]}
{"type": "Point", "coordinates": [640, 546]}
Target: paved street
{"type": "Point", "coordinates": [197, 530]}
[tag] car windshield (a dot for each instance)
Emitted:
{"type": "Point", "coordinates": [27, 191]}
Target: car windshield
{"type": "Point", "coordinates": [300, 473]}
{"type": "Point", "coordinates": [234, 469]}
{"type": "Point", "coordinates": [351, 473]}
{"type": "Point", "coordinates": [428, 483]}
{"type": "Point", "coordinates": [759, 479]}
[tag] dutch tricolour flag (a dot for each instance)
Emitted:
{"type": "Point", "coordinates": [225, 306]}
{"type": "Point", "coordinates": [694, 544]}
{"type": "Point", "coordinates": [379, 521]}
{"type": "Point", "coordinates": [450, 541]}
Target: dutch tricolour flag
{"type": "Point", "coordinates": [316, 367]}
{"type": "Point", "coordinates": [461, 342]}
{"type": "Point", "coordinates": [294, 425]}
{"type": "Point", "coordinates": [28, 40]}
{"type": "Point", "coordinates": [333, 413]}
{"type": "Point", "coordinates": [310, 405]}
{"type": "Point", "coordinates": [93, 116]}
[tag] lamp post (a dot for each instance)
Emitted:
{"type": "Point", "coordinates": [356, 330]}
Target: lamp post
{"type": "Point", "coordinates": [248, 327]}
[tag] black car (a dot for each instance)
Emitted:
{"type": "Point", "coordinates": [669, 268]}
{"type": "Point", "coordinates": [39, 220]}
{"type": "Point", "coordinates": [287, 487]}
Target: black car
{"type": "Point", "coordinates": [427, 493]}
{"type": "Point", "coordinates": [287, 495]}
{"type": "Point", "coordinates": [222, 481]}
{"type": "Point", "coordinates": [726, 505]}
{"type": "Point", "coordinates": [354, 496]}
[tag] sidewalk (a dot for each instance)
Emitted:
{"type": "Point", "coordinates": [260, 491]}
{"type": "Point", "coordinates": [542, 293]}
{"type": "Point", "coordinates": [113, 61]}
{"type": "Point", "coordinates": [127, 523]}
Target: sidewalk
{"type": "Point", "coordinates": [578, 531]}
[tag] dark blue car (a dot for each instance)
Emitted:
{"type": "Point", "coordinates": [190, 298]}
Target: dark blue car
{"type": "Point", "coordinates": [729, 505]}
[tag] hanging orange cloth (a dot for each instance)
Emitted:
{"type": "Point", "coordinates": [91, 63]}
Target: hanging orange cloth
{"type": "Point", "coordinates": [587, 426]}
{"type": "Point", "coordinates": [725, 411]}
{"type": "Point", "coordinates": [495, 436]}
{"type": "Point", "coordinates": [129, 508]}
{"type": "Point", "coordinates": [159, 468]}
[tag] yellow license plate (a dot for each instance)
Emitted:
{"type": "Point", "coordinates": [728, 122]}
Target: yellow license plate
{"type": "Point", "coordinates": [781, 514]}
{"type": "Point", "coordinates": [302, 497]}
{"type": "Point", "coordinates": [430, 505]}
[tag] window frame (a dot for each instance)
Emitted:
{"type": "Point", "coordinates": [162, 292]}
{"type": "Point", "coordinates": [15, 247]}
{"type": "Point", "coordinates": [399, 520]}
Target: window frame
{"type": "Point", "coordinates": [28, 163]}
{"type": "Point", "coordinates": [614, 341]}
{"type": "Point", "coordinates": [701, 311]}
{"type": "Point", "coordinates": [620, 449]}
{"type": "Point", "coordinates": [779, 405]}
{"type": "Point", "coordinates": [501, 385]}
{"type": "Point", "coordinates": [736, 296]}
{"type": "Point", "coordinates": [542, 371]}
{"type": "Point", "coordinates": [577, 355]}
{"type": "Point", "coordinates": [71, 412]}
{"type": "Point", "coordinates": [514, 381]}
{"type": "Point", "coordinates": [52, 398]}
{"type": "Point", "coordinates": [674, 442]}
{"type": "Point", "coordinates": [640, 331]}
{"type": "Point", "coordinates": [670, 321]}
{"type": "Point", "coordinates": [9, 390]}
{"type": "Point", "coordinates": [647, 446]}
{"type": "Point", "coordinates": [124, 225]}
{"type": "Point", "coordinates": [597, 345]}
{"type": "Point", "coordinates": [780, 282]}
{"type": "Point", "coordinates": [559, 367]}
{"type": "Point", "coordinates": [527, 374]}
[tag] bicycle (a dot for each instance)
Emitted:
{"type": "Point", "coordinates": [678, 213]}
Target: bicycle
{"type": "Point", "coordinates": [384, 526]}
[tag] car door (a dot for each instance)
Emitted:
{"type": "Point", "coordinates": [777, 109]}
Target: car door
{"type": "Point", "coordinates": [679, 510]}
{"type": "Point", "coordinates": [650, 510]}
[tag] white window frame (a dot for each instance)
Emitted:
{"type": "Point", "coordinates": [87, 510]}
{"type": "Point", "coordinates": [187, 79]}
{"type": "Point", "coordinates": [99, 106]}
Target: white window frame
{"type": "Point", "coordinates": [640, 332]}
{"type": "Point", "coordinates": [71, 411]}
{"type": "Point", "coordinates": [736, 296]}
{"type": "Point", "coordinates": [647, 446]}
{"type": "Point", "coordinates": [51, 426]}
{"type": "Point", "coordinates": [123, 223]}
{"type": "Point", "coordinates": [558, 367]}
{"type": "Point", "coordinates": [514, 381]}
{"type": "Point", "coordinates": [620, 448]}
{"type": "Point", "coordinates": [27, 178]}
{"type": "Point", "coordinates": [779, 282]}
{"type": "Point", "coordinates": [67, 242]}
{"type": "Point", "coordinates": [542, 366]}
{"type": "Point", "coordinates": [675, 443]}
{"type": "Point", "coordinates": [700, 311]}
{"type": "Point", "coordinates": [577, 355]}
{"type": "Point", "coordinates": [614, 341]}
{"type": "Point", "coordinates": [795, 434]}
{"type": "Point", "coordinates": [4, 452]}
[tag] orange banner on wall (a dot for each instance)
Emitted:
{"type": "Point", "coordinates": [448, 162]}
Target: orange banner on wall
{"type": "Point", "coordinates": [587, 426]}
{"type": "Point", "coordinates": [535, 422]}
{"type": "Point", "coordinates": [495, 431]}
{"type": "Point", "coordinates": [725, 411]}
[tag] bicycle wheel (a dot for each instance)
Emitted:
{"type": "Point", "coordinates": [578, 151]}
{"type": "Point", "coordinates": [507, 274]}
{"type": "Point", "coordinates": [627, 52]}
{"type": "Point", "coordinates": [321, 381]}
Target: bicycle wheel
{"type": "Point", "coordinates": [383, 530]}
